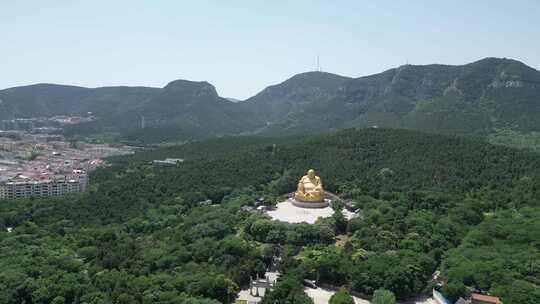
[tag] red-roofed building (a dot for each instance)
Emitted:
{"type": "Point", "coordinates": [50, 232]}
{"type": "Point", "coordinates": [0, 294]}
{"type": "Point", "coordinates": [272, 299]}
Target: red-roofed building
{"type": "Point", "coordinates": [477, 298]}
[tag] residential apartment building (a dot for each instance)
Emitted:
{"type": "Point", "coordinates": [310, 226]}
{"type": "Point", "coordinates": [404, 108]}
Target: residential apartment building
{"type": "Point", "coordinates": [44, 188]}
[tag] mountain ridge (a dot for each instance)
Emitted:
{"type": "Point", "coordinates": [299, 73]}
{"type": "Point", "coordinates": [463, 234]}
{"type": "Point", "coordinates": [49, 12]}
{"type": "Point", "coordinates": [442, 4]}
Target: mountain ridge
{"type": "Point", "coordinates": [485, 98]}
{"type": "Point", "coordinates": [45, 99]}
{"type": "Point", "coordinates": [396, 97]}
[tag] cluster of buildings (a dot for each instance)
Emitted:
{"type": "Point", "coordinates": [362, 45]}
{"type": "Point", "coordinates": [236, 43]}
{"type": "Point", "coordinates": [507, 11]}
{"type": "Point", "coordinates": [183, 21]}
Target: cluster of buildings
{"type": "Point", "coordinates": [46, 165]}
{"type": "Point", "coordinates": [43, 125]}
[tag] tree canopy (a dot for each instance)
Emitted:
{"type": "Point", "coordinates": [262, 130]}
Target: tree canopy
{"type": "Point", "coordinates": [141, 234]}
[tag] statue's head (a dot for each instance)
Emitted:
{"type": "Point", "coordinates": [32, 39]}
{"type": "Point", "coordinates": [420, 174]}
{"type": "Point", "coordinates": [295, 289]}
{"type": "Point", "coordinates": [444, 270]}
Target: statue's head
{"type": "Point", "coordinates": [311, 173]}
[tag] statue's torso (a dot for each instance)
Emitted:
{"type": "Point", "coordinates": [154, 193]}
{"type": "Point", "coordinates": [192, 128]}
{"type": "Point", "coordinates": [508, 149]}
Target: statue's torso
{"type": "Point", "coordinates": [309, 184]}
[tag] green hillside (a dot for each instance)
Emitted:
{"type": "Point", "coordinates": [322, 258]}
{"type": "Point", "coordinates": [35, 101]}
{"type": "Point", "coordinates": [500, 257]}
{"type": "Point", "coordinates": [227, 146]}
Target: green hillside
{"type": "Point", "coordinates": [183, 110]}
{"type": "Point", "coordinates": [277, 102]}
{"type": "Point", "coordinates": [501, 256]}
{"type": "Point", "coordinates": [477, 99]}
{"type": "Point", "coordinates": [495, 99]}
{"type": "Point", "coordinates": [45, 100]}
{"type": "Point", "coordinates": [141, 236]}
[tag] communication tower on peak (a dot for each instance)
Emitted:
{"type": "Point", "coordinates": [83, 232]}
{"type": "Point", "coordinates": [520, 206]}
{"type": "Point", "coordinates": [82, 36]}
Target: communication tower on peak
{"type": "Point", "coordinates": [143, 121]}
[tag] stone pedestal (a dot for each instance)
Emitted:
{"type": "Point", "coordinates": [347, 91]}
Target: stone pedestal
{"type": "Point", "coordinates": [311, 205]}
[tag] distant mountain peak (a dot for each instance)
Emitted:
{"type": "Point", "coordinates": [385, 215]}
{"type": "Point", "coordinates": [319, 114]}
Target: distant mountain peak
{"type": "Point", "coordinates": [316, 74]}
{"type": "Point", "coordinates": [315, 78]}
{"type": "Point", "coordinates": [302, 84]}
{"type": "Point", "coordinates": [496, 60]}
{"type": "Point", "coordinates": [187, 87]}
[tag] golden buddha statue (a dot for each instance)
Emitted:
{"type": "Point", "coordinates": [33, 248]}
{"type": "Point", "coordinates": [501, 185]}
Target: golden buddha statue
{"type": "Point", "coordinates": [310, 188]}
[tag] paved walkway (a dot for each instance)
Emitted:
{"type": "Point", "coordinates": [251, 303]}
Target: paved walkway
{"type": "Point", "coordinates": [322, 296]}
{"type": "Point", "coordinates": [287, 212]}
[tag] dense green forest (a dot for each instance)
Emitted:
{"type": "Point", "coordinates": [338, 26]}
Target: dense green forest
{"type": "Point", "coordinates": [141, 234]}
{"type": "Point", "coordinates": [502, 255]}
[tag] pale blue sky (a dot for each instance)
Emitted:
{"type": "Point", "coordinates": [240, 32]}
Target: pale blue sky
{"type": "Point", "coordinates": [243, 46]}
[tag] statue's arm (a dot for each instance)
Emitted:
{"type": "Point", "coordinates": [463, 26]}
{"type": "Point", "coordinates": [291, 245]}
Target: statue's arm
{"type": "Point", "coordinates": [300, 188]}
{"type": "Point", "coordinates": [319, 184]}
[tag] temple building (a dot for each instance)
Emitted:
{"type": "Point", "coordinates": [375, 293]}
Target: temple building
{"type": "Point", "coordinates": [477, 298]}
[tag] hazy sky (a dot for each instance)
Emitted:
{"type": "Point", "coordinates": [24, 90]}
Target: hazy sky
{"type": "Point", "coordinates": [243, 46]}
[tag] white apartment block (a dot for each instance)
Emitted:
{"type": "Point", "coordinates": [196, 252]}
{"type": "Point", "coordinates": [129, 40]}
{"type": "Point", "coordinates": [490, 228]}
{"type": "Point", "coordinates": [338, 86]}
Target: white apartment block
{"type": "Point", "coordinates": [43, 188]}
